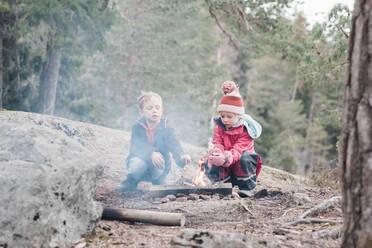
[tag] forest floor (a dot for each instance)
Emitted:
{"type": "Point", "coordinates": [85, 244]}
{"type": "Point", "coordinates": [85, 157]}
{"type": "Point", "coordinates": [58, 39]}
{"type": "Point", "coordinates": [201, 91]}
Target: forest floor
{"type": "Point", "coordinates": [269, 218]}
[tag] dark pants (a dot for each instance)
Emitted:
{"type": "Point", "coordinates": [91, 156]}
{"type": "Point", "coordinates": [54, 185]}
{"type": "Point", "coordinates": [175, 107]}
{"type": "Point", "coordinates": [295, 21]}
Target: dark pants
{"type": "Point", "coordinates": [243, 173]}
{"type": "Point", "coordinates": [139, 170]}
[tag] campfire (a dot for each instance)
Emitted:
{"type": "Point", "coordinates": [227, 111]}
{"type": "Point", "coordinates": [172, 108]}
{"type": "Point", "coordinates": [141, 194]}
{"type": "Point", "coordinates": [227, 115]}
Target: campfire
{"type": "Point", "coordinates": [199, 185]}
{"type": "Point", "coordinates": [198, 179]}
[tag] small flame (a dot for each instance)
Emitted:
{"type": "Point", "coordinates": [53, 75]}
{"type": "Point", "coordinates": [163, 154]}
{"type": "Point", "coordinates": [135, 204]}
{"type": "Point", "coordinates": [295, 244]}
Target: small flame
{"type": "Point", "coordinates": [198, 179]}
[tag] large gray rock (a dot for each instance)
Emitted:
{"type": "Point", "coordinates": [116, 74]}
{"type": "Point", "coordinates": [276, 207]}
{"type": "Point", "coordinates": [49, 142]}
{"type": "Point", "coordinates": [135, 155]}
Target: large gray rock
{"type": "Point", "coordinates": [49, 169]}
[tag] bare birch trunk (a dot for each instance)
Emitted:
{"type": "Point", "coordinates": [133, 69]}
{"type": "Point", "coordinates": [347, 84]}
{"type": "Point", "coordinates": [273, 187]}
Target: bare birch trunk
{"type": "Point", "coordinates": [355, 153]}
{"type": "Point", "coordinates": [49, 80]}
{"type": "Point", "coordinates": [309, 143]}
{"type": "Point", "coordinates": [294, 91]}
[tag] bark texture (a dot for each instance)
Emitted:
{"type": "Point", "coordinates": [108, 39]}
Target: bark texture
{"type": "Point", "coordinates": [49, 80]}
{"type": "Point", "coordinates": [1, 64]}
{"type": "Point", "coordinates": [355, 154]}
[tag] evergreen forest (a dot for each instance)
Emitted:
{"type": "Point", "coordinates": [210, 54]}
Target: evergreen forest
{"type": "Point", "coordinates": [89, 60]}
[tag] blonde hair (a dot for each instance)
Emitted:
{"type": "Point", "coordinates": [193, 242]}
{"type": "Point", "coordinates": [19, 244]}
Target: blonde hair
{"type": "Point", "coordinates": [146, 96]}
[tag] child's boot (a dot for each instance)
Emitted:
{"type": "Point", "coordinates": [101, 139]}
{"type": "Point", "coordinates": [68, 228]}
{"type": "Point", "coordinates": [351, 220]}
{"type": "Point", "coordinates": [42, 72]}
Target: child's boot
{"type": "Point", "coordinates": [246, 193]}
{"type": "Point", "coordinates": [127, 185]}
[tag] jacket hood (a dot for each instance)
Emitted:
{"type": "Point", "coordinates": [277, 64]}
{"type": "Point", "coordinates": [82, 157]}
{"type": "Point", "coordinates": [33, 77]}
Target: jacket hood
{"type": "Point", "coordinates": [253, 127]}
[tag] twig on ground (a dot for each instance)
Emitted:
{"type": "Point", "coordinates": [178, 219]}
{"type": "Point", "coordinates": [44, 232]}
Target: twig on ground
{"type": "Point", "coordinates": [235, 194]}
{"type": "Point", "coordinates": [332, 202]}
{"type": "Point", "coordinates": [286, 230]}
{"type": "Point", "coordinates": [245, 207]}
{"type": "Point", "coordinates": [313, 221]}
{"type": "Point", "coordinates": [286, 211]}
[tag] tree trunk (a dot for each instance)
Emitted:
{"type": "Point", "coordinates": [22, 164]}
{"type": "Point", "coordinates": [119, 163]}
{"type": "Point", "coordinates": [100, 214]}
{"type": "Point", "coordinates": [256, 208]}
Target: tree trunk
{"type": "Point", "coordinates": [355, 154]}
{"type": "Point", "coordinates": [2, 36]}
{"type": "Point", "coordinates": [1, 67]}
{"type": "Point", "coordinates": [49, 80]}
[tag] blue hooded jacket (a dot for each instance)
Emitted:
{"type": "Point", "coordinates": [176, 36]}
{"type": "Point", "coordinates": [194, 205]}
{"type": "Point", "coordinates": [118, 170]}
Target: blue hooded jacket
{"type": "Point", "coordinates": [163, 141]}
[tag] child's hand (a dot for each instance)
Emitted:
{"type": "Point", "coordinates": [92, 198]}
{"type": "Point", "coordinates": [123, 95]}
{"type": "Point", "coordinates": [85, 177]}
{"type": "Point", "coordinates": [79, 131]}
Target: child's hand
{"type": "Point", "coordinates": [214, 151]}
{"type": "Point", "coordinates": [228, 158]}
{"type": "Point", "coordinates": [157, 160]}
{"type": "Point", "coordinates": [186, 158]}
{"type": "Point", "coordinates": [217, 159]}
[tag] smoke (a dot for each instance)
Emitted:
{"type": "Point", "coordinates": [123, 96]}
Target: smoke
{"type": "Point", "coordinates": [155, 47]}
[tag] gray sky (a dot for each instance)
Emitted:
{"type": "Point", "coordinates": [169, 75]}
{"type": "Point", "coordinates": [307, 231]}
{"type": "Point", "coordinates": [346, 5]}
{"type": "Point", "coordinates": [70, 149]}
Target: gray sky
{"type": "Point", "coordinates": [317, 10]}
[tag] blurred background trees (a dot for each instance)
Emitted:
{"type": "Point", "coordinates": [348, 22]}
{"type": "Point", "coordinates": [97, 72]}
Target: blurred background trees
{"type": "Point", "coordinates": [89, 60]}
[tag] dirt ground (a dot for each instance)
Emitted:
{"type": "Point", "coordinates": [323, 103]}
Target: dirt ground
{"type": "Point", "coordinates": [268, 217]}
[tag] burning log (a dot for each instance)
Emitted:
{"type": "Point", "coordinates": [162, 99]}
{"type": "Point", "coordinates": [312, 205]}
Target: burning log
{"type": "Point", "coordinates": [146, 216]}
{"type": "Point", "coordinates": [163, 190]}
{"type": "Point", "coordinates": [198, 186]}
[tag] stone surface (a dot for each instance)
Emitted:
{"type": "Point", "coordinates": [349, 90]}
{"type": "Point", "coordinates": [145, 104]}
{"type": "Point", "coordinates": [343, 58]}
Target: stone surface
{"type": "Point", "coordinates": [193, 197]}
{"type": "Point", "coordinates": [49, 169]}
{"type": "Point", "coordinates": [211, 239]}
{"type": "Point", "coordinates": [205, 197]}
{"type": "Point", "coordinates": [301, 198]}
{"type": "Point", "coordinates": [171, 197]}
{"type": "Point", "coordinates": [181, 199]}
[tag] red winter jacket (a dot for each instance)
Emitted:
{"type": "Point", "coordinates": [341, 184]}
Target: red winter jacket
{"type": "Point", "coordinates": [236, 140]}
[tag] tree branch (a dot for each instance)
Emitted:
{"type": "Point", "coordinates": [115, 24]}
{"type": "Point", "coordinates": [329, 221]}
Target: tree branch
{"type": "Point", "coordinates": [232, 40]}
{"type": "Point", "coordinates": [343, 31]}
{"type": "Point", "coordinates": [242, 15]}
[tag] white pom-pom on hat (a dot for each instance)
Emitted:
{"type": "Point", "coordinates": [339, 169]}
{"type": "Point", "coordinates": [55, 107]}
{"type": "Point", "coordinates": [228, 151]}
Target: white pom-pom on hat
{"type": "Point", "coordinates": [232, 100]}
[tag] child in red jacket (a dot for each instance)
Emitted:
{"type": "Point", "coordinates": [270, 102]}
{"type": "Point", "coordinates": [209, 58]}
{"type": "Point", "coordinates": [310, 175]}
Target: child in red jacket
{"type": "Point", "coordinates": [232, 157]}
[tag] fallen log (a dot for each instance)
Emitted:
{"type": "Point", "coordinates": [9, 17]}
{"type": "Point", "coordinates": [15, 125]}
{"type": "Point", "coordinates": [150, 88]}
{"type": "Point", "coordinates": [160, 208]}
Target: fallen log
{"type": "Point", "coordinates": [145, 216]}
{"type": "Point", "coordinates": [163, 190]}
{"type": "Point", "coordinates": [332, 202]}
{"type": "Point", "coordinates": [314, 221]}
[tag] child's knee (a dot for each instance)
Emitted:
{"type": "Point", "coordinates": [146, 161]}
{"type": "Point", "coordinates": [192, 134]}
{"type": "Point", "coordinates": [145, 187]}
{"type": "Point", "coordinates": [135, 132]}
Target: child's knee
{"type": "Point", "coordinates": [157, 172]}
{"type": "Point", "coordinates": [136, 166]}
{"type": "Point", "coordinates": [248, 162]}
{"type": "Point", "coordinates": [135, 160]}
{"type": "Point", "coordinates": [245, 171]}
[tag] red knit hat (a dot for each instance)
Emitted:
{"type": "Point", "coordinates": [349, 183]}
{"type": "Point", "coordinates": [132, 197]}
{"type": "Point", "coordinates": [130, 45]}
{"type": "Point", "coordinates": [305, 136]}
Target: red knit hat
{"type": "Point", "coordinates": [231, 101]}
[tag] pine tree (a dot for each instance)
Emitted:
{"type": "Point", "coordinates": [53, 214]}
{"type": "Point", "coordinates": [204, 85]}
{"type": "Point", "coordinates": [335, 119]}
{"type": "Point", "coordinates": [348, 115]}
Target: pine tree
{"type": "Point", "coordinates": [66, 22]}
{"type": "Point", "coordinates": [163, 46]}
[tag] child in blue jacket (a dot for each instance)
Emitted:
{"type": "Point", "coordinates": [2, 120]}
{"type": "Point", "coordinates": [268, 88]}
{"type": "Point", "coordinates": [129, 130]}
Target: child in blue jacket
{"type": "Point", "coordinates": [151, 142]}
